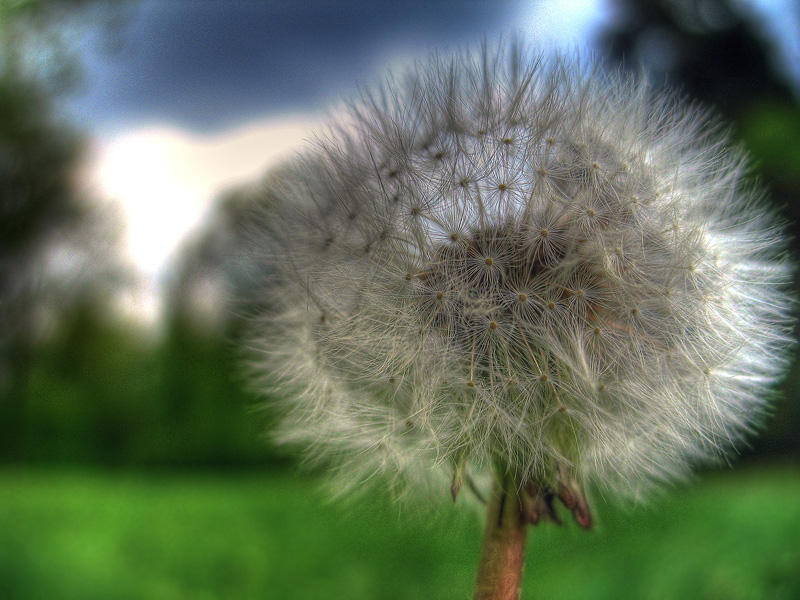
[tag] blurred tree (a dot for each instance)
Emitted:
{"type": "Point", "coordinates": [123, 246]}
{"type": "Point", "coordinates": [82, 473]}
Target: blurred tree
{"type": "Point", "coordinates": [39, 38]}
{"type": "Point", "coordinates": [53, 240]}
{"type": "Point", "coordinates": [97, 395]}
{"type": "Point", "coordinates": [37, 162]}
{"type": "Point", "coordinates": [88, 391]}
{"type": "Point", "coordinates": [718, 52]}
{"type": "Point", "coordinates": [221, 269]}
{"type": "Point", "coordinates": [715, 51]}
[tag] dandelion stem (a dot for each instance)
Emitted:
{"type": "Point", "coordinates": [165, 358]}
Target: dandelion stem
{"type": "Point", "coordinates": [503, 554]}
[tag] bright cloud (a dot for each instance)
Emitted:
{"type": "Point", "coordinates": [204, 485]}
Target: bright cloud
{"type": "Point", "coordinates": [560, 23]}
{"type": "Point", "coordinates": [166, 180]}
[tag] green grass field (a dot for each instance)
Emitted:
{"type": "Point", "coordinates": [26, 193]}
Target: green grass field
{"type": "Point", "coordinates": [104, 535]}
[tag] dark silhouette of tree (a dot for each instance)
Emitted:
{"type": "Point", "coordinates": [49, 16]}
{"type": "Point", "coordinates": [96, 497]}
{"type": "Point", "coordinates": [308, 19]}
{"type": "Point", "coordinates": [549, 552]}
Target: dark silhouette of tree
{"type": "Point", "coordinates": [38, 157]}
{"type": "Point", "coordinates": [706, 48]}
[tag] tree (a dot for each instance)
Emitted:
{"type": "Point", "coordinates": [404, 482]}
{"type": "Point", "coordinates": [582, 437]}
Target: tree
{"type": "Point", "coordinates": [41, 207]}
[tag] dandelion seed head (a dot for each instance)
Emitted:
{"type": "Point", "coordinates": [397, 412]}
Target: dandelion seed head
{"type": "Point", "coordinates": [536, 263]}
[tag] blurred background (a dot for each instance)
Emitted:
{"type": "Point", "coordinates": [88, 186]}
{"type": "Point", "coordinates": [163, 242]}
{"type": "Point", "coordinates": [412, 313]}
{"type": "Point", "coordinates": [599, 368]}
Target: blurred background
{"type": "Point", "coordinates": [134, 141]}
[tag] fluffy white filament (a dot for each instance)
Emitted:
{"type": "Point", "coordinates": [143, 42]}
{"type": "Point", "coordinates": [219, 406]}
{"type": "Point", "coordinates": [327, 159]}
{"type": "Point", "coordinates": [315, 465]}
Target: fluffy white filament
{"type": "Point", "coordinates": [527, 262]}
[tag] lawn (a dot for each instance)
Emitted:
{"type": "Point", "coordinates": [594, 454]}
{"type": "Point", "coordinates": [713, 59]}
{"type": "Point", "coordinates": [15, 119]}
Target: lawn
{"type": "Point", "coordinates": [105, 535]}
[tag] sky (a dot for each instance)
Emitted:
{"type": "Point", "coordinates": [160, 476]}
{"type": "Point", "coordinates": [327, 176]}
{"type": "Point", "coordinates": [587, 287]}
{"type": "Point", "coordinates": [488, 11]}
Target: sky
{"type": "Point", "coordinates": [198, 95]}
{"type": "Point", "coordinates": [208, 66]}
{"type": "Point", "coordinates": [195, 99]}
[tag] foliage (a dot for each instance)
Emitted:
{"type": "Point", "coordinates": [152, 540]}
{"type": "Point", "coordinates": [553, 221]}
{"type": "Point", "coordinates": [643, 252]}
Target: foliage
{"type": "Point", "coordinates": [100, 394]}
{"type": "Point", "coordinates": [56, 246]}
{"type": "Point", "coordinates": [38, 157]}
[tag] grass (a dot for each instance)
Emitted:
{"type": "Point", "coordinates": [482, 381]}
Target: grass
{"type": "Point", "coordinates": [104, 535]}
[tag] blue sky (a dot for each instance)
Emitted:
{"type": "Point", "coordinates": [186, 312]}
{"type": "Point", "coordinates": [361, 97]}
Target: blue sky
{"type": "Point", "coordinates": [204, 68]}
{"type": "Point", "coordinates": [208, 66]}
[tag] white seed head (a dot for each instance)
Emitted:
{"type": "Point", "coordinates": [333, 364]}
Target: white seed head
{"type": "Point", "coordinates": [531, 262]}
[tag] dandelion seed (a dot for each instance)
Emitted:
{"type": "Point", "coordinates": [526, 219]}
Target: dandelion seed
{"type": "Point", "coordinates": [620, 261]}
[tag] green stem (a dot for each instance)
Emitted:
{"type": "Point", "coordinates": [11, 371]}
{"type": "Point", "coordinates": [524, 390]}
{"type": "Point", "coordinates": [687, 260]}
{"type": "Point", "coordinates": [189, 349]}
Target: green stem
{"type": "Point", "coordinates": [503, 555]}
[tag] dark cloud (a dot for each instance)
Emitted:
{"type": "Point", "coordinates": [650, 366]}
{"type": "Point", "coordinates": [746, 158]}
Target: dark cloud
{"type": "Point", "coordinates": [208, 65]}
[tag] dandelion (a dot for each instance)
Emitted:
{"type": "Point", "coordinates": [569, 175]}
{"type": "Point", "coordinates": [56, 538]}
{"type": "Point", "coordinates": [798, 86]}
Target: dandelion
{"type": "Point", "coordinates": [532, 273]}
